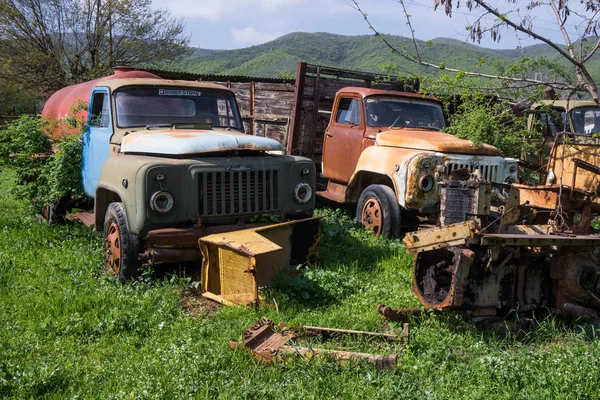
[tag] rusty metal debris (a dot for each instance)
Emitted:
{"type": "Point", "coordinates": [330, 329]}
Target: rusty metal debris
{"type": "Point", "coordinates": [269, 346]}
{"type": "Point", "coordinates": [398, 314]}
{"type": "Point", "coordinates": [488, 263]}
{"type": "Point", "coordinates": [533, 251]}
{"type": "Point", "coordinates": [236, 264]}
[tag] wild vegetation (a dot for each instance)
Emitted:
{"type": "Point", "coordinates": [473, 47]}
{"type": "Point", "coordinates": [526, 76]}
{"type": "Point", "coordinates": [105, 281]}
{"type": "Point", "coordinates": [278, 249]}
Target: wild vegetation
{"type": "Point", "coordinates": [47, 169]}
{"type": "Point", "coordinates": [70, 331]}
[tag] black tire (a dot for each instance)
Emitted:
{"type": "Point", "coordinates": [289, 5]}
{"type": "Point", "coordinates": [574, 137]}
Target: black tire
{"type": "Point", "coordinates": [121, 247]}
{"type": "Point", "coordinates": [378, 210]}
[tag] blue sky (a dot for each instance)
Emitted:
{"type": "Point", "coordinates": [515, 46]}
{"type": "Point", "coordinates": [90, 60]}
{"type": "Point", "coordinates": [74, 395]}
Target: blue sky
{"type": "Point", "coordinates": [230, 24]}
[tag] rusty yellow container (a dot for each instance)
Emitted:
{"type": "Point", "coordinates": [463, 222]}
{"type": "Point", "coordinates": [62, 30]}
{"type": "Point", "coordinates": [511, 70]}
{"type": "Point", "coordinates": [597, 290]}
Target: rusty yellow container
{"type": "Point", "coordinates": [235, 264]}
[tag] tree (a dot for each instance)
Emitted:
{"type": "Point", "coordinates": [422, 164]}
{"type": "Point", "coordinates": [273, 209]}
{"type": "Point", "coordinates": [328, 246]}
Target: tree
{"type": "Point", "coordinates": [519, 16]}
{"type": "Point", "coordinates": [53, 43]}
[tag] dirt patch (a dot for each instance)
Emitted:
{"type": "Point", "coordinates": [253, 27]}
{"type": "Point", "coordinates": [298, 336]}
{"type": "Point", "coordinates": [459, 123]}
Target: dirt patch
{"type": "Point", "coordinates": [193, 303]}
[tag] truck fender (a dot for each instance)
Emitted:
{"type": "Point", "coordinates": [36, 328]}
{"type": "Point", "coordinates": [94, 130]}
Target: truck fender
{"type": "Point", "coordinates": [378, 161]}
{"type": "Point", "coordinates": [106, 194]}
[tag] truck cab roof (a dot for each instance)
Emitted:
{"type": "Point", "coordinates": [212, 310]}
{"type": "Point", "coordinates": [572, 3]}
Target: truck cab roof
{"type": "Point", "coordinates": [366, 92]}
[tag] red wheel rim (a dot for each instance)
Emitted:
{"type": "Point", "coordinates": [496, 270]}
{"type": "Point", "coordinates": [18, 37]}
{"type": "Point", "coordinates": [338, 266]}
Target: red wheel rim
{"type": "Point", "coordinates": [112, 248]}
{"type": "Point", "coordinates": [371, 216]}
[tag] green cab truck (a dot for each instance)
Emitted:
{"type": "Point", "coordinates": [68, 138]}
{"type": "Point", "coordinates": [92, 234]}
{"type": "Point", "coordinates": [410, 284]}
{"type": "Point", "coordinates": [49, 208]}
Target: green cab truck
{"type": "Point", "coordinates": [167, 162]}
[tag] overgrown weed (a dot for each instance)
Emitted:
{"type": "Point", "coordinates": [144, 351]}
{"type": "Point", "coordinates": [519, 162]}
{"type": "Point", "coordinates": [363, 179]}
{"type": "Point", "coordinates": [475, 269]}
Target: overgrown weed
{"type": "Point", "coordinates": [69, 331]}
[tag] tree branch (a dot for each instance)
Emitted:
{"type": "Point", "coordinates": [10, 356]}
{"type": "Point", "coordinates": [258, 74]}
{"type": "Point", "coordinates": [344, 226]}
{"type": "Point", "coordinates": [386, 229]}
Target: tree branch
{"type": "Point", "coordinates": [406, 56]}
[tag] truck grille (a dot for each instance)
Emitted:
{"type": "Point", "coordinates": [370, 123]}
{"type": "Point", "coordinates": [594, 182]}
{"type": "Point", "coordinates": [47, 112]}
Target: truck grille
{"type": "Point", "coordinates": [237, 192]}
{"type": "Point", "coordinates": [489, 172]}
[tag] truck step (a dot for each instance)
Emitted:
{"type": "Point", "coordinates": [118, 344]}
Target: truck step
{"type": "Point", "coordinates": [86, 217]}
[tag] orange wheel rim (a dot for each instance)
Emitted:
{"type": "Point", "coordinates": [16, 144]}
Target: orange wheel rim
{"type": "Point", "coordinates": [112, 248]}
{"type": "Point", "coordinates": [372, 216]}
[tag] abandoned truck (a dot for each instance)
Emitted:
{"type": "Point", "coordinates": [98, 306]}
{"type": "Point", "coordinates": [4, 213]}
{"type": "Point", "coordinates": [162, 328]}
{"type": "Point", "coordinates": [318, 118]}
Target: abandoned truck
{"type": "Point", "coordinates": [384, 150]}
{"type": "Point", "coordinates": [167, 162]}
{"type": "Point", "coordinates": [550, 117]}
{"type": "Point", "coordinates": [534, 251]}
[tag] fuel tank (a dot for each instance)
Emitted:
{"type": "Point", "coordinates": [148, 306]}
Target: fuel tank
{"type": "Point", "coordinates": [60, 104]}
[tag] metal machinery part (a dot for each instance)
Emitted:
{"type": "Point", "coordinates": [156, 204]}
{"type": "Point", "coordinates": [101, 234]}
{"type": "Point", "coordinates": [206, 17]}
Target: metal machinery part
{"type": "Point", "coordinates": [489, 260]}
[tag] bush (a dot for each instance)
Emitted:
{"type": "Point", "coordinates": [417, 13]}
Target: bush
{"type": "Point", "coordinates": [492, 124]}
{"type": "Point", "coordinates": [46, 169]}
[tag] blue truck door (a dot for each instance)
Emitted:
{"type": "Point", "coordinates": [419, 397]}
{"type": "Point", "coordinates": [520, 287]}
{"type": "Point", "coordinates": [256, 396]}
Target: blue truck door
{"type": "Point", "coordinates": [96, 140]}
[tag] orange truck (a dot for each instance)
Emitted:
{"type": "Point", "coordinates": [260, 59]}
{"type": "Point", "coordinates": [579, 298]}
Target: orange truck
{"type": "Point", "coordinates": [382, 149]}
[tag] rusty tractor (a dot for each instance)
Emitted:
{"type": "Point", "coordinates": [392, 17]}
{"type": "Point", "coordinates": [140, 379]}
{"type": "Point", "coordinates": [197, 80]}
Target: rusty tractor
{"type": "Point", "coordinates": [533, 251]}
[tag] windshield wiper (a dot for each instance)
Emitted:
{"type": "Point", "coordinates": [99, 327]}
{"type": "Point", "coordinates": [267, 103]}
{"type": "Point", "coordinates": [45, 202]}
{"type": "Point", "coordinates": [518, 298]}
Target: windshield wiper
{"type": "Point", "coordinates": [399, 126]}
{"type": "Point", "coordinates": [150, 126]}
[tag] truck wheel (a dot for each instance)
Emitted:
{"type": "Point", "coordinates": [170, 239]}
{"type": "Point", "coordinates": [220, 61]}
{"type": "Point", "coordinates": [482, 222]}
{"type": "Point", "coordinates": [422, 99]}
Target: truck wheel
{"type": "Point", "coordinates": [378, 211]}
{"type": "Point", "coordinates": [120, 246]}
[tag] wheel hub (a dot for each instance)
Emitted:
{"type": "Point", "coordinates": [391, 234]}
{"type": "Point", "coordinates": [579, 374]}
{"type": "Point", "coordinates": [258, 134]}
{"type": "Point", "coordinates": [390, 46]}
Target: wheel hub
{"type": "Point", "coordinates": [112, 248]}
{"type": "Point", "coordinates": [372, 216]}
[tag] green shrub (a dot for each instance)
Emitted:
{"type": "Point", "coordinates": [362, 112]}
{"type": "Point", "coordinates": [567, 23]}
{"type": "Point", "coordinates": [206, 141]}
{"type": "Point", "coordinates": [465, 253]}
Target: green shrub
{"type": "Point", "coordinates": [46, 169]}
{"type": "Point", "coordinates": [493, 124]}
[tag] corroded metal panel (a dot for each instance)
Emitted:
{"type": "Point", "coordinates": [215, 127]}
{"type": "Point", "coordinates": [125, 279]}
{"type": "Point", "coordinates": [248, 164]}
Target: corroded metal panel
{"type": "Point", "coordinates": [184, 141]}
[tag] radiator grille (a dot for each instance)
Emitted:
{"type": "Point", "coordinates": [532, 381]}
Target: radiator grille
{"type": "Point", "coordinates": [237, 192]}
{"type": "Point", "coordinates": [489, 172]}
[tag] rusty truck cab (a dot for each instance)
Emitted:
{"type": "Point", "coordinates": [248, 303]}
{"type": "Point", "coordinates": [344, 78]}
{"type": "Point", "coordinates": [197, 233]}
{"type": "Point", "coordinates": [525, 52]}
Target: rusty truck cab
{"type": "Point", "coordinates": [359, 114]}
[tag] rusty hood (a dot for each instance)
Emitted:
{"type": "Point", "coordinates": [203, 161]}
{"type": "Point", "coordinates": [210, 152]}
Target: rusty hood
{"type": "Point", "coordinates": [184, 141]}
{"type": "Point", "coordinates": [421, 139]}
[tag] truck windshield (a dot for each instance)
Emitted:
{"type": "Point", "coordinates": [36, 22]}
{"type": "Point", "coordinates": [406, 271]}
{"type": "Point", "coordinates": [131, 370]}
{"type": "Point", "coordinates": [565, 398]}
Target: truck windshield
{"type": "Point", "coordinates": [143, 106]}
{"type": "Point", "coordinates": [550, 122]}
{"type": "Point", "coordinates": [392, 111]}
{"type": "Point", "coordinates": [586, 120]}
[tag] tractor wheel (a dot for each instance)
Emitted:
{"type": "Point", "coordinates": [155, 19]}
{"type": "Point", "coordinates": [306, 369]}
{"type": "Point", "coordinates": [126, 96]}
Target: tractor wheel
{"type": "Point", "coordinates": [121, 247]}
{"type": "Point", "coordinates": [378, 211]}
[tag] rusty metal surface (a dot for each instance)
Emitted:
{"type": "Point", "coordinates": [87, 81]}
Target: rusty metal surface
{"type": "Point", "coordinates": [235, 264]}
{"type": "Point", "coordinates": [60, 103]}
{"type": "Point", "coordinates": [156, 255]}
{"type": "Point", "coordinates": [86, 217]}
{"type": "Point", "coordinates": [343, 142]}
{"type": "Point", "coordinates": [335, 192]}
{"type": "Point", "coordinates": [508, 239]}
{"type": "Point", "coordinates": [464, 200]}
{"type": "Point", "coordinates": [505, 265]}
{"type": "Point", "coordinates": [327, 332]}
{"type": "Point", "coordinates": [428, 140]}
{"type": "Point", "coordinates": [398, 314]}
{"type": "Point", "coordinates": [439, 277]}
{"type": "Point", "coordinates": [267, 345]}
{"type": "Point", "coordinates": [461, 233]}
{"type": "Point", "coordinates": [189, 141]}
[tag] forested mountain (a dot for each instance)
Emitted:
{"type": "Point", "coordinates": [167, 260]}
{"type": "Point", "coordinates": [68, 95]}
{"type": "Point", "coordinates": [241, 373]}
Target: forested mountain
{"type": "Point", "coordinates": [278, 58]}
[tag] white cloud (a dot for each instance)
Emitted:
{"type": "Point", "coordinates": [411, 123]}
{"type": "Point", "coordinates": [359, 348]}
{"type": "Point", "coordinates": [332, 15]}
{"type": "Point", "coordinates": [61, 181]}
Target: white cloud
{"type": "Point", "coordinates": [250, 36]}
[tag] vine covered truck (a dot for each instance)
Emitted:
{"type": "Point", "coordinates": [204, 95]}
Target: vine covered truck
{"type": "Point", "coordinates": [167, 162]}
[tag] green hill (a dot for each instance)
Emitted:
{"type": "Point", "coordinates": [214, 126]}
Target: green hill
{"type": "Point", "coordinates": [278, 58]}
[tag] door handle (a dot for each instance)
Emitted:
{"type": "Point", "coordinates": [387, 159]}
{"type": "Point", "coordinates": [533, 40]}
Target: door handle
{"type": "Point", "coordinates": [328, 134]}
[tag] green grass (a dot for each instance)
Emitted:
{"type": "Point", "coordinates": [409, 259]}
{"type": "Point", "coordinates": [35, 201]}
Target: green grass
{"type": "Point", "coordinates": [68, 331]}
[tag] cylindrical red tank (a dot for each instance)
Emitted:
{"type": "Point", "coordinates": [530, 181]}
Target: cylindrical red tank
{"type": "Point", "coordinates": [59, 105]}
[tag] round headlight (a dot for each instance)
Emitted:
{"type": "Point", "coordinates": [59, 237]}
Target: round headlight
{"type": "Point", "coordinates": [162, 202]}
{"type": "Point", "coordinates": [426, 183]}
{"type": "Point", "coordinates": [512, 169]}
{"type": "Point", "coordinates": [426, 164]}
{"type": "Point", "coordinates": [303, 193]}
{"type": "Point", "coordinates": [305, 171]}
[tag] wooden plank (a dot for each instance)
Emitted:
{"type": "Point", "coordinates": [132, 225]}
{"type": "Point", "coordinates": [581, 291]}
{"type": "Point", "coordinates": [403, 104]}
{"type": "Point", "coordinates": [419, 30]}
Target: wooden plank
{"type": "Point", "coordinates": [276, 87]}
